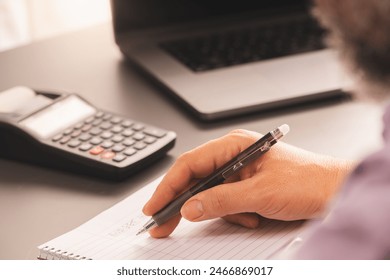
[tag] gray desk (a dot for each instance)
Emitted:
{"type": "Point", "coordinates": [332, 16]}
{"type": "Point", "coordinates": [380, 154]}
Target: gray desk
{"type": "Point", "coordinates": [37, 204]}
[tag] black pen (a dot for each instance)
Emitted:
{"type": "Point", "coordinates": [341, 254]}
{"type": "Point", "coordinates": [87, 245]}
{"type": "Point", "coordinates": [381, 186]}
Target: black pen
{"type": "Point", "coordinates": [218, 176]}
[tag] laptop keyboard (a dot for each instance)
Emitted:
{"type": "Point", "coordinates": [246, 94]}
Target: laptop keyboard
{"type": "Point", "coordinates": [247, 45]}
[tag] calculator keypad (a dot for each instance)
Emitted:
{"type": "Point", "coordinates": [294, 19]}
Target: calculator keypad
{"type": "Point", "coordinates": [109, 137]}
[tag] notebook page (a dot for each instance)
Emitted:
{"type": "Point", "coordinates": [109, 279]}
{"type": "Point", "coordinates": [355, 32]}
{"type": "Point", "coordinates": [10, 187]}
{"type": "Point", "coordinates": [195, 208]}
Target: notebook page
{"type": "Point", "coordinates": [112, 235]}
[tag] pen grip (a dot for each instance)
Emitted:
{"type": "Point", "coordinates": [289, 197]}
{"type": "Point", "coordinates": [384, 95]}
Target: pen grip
{"type": "Point", "coordinates": [207, 183]}
{"type": "Point", "coordinates": [216, 178]}
{"type": "Point", "coordinates": [171, 209]}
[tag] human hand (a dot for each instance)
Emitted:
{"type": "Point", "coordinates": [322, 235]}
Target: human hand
{"type": "Point", "coordinates": [286, 183]}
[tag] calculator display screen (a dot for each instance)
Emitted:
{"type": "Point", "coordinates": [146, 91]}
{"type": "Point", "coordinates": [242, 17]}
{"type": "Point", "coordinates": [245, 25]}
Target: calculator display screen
{"type": "Point", "coordinates": [58, 116]}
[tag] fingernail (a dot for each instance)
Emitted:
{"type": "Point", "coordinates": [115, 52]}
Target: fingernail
{"type": "Point", "coordinates": [192, 210]}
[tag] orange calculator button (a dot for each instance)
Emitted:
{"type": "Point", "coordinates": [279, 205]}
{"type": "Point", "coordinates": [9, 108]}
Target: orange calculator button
{"type": "Point", "coordinates": [96, 150]}
{"type": "Point", "coordinates": [107, 155]}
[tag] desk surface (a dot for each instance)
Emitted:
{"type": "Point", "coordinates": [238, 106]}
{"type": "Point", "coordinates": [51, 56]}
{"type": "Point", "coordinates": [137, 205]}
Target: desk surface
{"type": "Point", "coordinates": [38, 204]}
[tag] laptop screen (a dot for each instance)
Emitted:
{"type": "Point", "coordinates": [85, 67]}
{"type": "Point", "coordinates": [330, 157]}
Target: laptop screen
{"type": "Point", "coordinates": [132, 15]}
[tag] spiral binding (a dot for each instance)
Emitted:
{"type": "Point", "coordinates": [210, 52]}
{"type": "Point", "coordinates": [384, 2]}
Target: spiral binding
{"type": "Point", "coordinates": [50, 253]}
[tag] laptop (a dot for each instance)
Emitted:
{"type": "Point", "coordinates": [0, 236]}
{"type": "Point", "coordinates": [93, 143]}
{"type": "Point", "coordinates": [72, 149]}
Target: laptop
{"type": "Point", "coordinates": [223, 58]}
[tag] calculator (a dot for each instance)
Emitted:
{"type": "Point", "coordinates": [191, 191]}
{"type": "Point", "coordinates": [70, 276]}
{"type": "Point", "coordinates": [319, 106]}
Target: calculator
{"type": "Point", "coordinates": [62, 130]}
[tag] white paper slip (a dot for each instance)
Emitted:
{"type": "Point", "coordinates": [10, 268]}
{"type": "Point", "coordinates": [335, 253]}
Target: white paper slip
{"type": "Point", "coordinates": [112, 235]}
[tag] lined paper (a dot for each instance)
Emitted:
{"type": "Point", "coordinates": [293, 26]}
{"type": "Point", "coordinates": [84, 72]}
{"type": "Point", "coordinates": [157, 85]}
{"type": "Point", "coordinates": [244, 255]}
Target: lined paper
{"type": "Point", "coordinates": [112, 235]}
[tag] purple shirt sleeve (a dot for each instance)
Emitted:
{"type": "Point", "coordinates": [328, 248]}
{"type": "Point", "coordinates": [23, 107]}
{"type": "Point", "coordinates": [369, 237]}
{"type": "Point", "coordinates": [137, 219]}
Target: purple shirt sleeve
{"type": "Point", "coordinates": [358, 226]}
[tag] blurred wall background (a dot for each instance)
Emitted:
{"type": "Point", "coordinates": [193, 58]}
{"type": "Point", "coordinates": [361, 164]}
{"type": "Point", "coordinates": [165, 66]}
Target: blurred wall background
{"type": "Point", "coordinates": [24, 21]}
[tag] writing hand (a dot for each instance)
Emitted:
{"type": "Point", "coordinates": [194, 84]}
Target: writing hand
{"type": "Point", "coordinates": [287, 183]}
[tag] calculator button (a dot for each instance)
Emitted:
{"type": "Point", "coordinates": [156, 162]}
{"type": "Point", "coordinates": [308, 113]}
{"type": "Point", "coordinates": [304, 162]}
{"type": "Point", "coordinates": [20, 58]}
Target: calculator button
{"type": "Point", "coordinates": [139, 136]}
{"type": "Point", "coordinates": [154, 132]}
{"type": "Point", "coordinates": [127, 123]}
{"type": "Point", "coordinates": [140, 145]}
{"type": "Point", "coordinates": [106, 125]}
{"type": "Point", "coordinates": [85, 128]}
{"type": "Point", "coordinates": [138, 126]}
{"type": "Point", "coordinates": [150, 140]}
{"type": "Point", "coordinates": [89, 120]}
{"type": "Point", "coordinates": [76, 133]}
{"type": "Point", "coordinates": [95, 131]}
{"type": "Point", "coordinates": [107, 116]}
{"type": "Point", "coordinates": [97, 122]}
{"type": "Point", "coordinates": [127, 132]}
{"type": "Point", "coordinates": [117, 138]}
{"type": "Point", "coordinates": [79, 125]}
{"type": "Point", "coordinates": [85, 147]}
{"type": "Point", "coordinates": [85, 137]}
{"type": "Point", "coordinates": [128, 142]}
{"type": "Point", "coordinates": [64, 139]}
{"type": "Point", "coordinates": [116, 120]}
{"type": "Point", "coordinates": [74, 143]}
{"type": "Point", "coordinates": [118, 148]}
{"type": "Point", "coordinates": [99, 114]}
{"type": "Point", "coordinates": [130, 152]}
{"type": "Point", "coordinates": [119, 158]}
{"type": "Point", "coordinates": [117, 129]}
{"type": "Point", "coordinates": [68, 131]}
{"type": "Point", "coordinates": [106, 135]}
{"type": "Point", "coordinates": [57, 137]}
{"type": "Point", "coordinates": [107, 144]}
{"type": "Point", "coordinates": [96, 150]}
{"type": "Point", "coordinates": [107, 155]}
{"type": "Point", "coordinates": [96, 141]}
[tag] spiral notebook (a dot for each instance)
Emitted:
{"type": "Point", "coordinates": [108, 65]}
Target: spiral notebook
{"type": "Point", "coordinates": [112, 235]}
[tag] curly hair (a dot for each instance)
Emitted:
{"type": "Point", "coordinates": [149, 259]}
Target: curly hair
{"type": "Point", "coordinates": [360, 31]}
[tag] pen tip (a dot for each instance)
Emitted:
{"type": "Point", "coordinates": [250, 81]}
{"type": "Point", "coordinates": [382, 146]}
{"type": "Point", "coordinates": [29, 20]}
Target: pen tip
{"type": "Point", "coordinates": [149, 225]}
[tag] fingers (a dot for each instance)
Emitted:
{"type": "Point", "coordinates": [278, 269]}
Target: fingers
{"type": "Point", "coordinates": [248, 220]}
{"type": "Point", "coordinates": [197, 163]}
{"type": "Point", "coordinates": [192, 165]}
{"type": "Point", "coordinates": [220, 201]}
{"type": "Point", "coordinates": [166, 229]}
{"type": "Point", "coordinates": [230, 201]}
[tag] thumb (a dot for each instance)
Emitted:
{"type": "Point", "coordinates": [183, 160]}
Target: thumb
{"type": "Point", "coordinates": [216, 202]}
